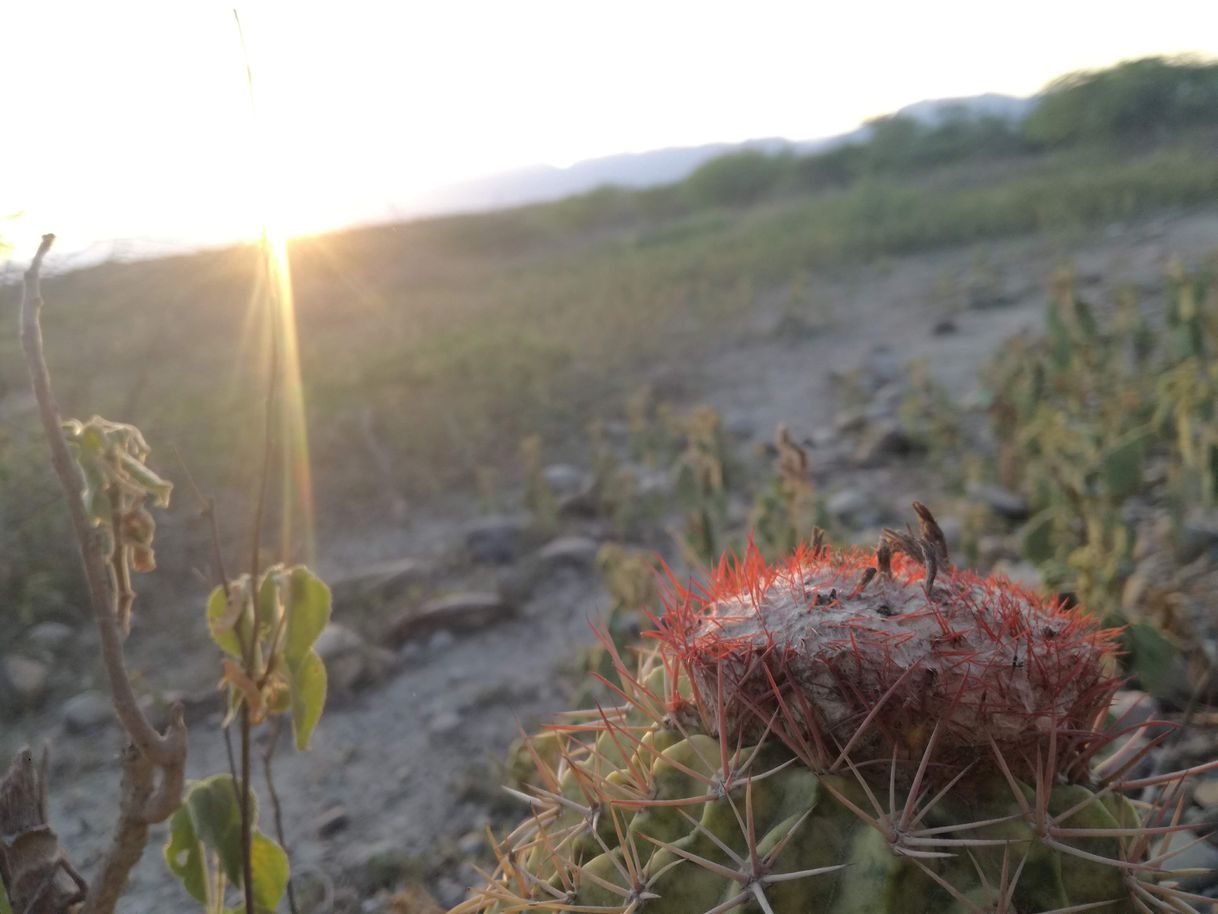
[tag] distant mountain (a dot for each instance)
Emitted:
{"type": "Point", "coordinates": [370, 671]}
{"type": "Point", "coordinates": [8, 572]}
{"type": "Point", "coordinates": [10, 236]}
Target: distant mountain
{"type": "Point", "coordinates": [935, 112]}
{"type": "Point", "coordinates": [665, 166]}
{"type": "Point", "coordinates": [540, 183]}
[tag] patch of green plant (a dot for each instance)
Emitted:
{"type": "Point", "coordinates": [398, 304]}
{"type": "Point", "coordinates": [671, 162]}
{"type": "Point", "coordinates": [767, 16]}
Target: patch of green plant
{"type": "Point", "coordinates": [1108, 411]}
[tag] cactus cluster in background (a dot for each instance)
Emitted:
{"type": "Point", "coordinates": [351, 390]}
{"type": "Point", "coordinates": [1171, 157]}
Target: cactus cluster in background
{"type": "Point", "coordinates": [1110, 412]}
{"type": "Point", "coordinates": [848, 732]}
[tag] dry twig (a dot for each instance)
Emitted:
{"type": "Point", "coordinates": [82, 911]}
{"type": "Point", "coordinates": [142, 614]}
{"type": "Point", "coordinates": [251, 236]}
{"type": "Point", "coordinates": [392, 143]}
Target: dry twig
{"type": "Point", "coordinates": [142, 801]}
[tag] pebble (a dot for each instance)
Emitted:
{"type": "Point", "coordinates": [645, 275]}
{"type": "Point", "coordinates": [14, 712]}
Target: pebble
{"type": "Point", "coordinates": [26, 677]}
{"type": "Point", "coordinates": [851, 507]}
{"type": "Point", "coordinates": [497, 539]}
{"type": "Point", "coordinates": [380, 582]}
{"type": "Point", "coordinates": [1132, 707]}
{"type": "Point", "coordinates": [51, 636]}
{"type": "Point", "coordinates": [1006, 504]}
{"type": "Point", "coordinates": [570, 551]}
{"type": "Point", "coordinates": [336, 640]}
{"type": "Point", "coordinates": [443, 723]}
{"type": "Point", "coordinates": [331, 822]}
{"type": "Point", "coordinates": [466, 611]}
{"type": "Point", "coordinates": [87, 712]}
{"type": "Point", "coordinates": [566, 480]}
{"type": "Point", "coordinates": [471, 843]}
{"type": "Point", "coordinates": [883, 441]}
{"type": "Point", "coordinates": [1206, 793]}
{"type": "Point", "coordinates": [440, 641]}
{"type": "Point", "coordinates": [1194, 853]}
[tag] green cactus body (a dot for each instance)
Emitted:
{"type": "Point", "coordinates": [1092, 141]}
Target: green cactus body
{"type": "Point", "coordinates": [783, 750]}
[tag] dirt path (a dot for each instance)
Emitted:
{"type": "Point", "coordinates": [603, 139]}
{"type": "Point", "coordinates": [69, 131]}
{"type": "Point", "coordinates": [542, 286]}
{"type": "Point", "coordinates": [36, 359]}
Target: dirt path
{"type": "Point", "coordinates": [405, 765]}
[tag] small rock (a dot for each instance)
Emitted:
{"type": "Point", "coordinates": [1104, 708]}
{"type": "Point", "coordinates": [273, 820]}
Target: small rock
{"type": "Point", "coordinates": [983, 299]}
{"type": "Point", "coordinates": [1192, 853]}
{"type": "Point", "coordinates": [847, 504]}
{"type": "Point", "coordinates": [331, 822]}
{"type": "Point", "coordinates": [350, 661]}
{"type": "Point", "coordinates": [460, 611]}
{"type": "Point", "coordinates": [572, 551]}
{"type": "Point", "coordinates": [653, 484]}
{"type": "Point", "coordinates": [87, 712]}
{"type": "Point", "coordinates": [741, 427]}
{"type": "Point", "coordinates": [1132, 707]}
{"type": "Point", "coordinates": [380, 582]}
{"type": "Point", "coordinates": [823, 436]}
{"type": "Point", "coordinates": [1206, 793]}
{"type": "Point", "coordinates": [440, 642]}
{"type": "Point", "coordinates": [1008, 505]}
{"type": "Point", "coordinates": [884, 365]}
{"type": "Point", "coordinates": [848, 421]}
{"type": "Point", "coordinates": [26, 677]}
{"type": "Point", "coordinates": [566, 480]}
{"type": "Point", "coordinates": [579, 504]}
{"type": "Point", "coordinates": [449, 891]}
{"type": "Point", "coordinates": [51, 636]}
{"type": "Point", "coordinates": [944, 327]}
{"type": "Point", "coordinates": [1197, 538]}
{"type": "Point", "coordinates": [443, 723]}
{"type": "Point", "coordinates": [336, 640]}
{"type": "Point", "coordinates": [471, 843]}
{"type": "Point", "coordinates": [498, 539]}
{"type": "Point", "coordinates": [883, 441]}
{"type": "Point", "coordinates": [414, 899]}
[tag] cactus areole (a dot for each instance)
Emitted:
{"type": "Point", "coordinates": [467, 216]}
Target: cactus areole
{"type": "Point", "coordinates": [873, 651]}
{"type": "Point", "coordinates": [846, 733]}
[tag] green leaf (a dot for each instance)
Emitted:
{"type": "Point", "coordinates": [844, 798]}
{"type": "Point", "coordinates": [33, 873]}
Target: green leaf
{"type": "Point", "coordinates": [1061, 348]}
{"type": "Point", "coordinates": [216, 815]}
{"type": "Point", "coordinates": [308, 609]}
{"type": "Point", "coordinates": [1152, 658]}
{"type": "Point", "coordinates": [308, 696]}
{"type": "Point", "coordinates": [222, 631]}
{"type": "Point", "coordinates": [183, 855]}
{"type": "Point", "coordinates": [269, 864]}
{"type": "Point", "coordinates": [1085, 319]}
{"type": "Point", "coordinates": [268, 599]}
{"type": "Point", "coordinates": [1037, 537]}
{"type": "Point", "coordinates": [1121, 466]}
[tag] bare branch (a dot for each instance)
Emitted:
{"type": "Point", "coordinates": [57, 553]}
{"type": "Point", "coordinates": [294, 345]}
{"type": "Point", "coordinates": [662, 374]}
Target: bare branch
{"type": "Point", "coordinates": [142, 802]}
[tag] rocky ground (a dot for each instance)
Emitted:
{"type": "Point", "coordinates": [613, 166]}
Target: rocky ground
{"type": "Point", "coordinates": [454, 631]}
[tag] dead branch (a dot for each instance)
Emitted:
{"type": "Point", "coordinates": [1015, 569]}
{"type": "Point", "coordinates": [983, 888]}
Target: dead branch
{"type": "Point", "coordinates": [142, 802]}
{"type": "Point", "coordinates": [31, 862]}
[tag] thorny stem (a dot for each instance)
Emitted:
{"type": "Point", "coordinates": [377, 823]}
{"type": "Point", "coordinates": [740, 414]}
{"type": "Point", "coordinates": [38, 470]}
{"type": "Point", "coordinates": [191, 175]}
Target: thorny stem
{"type": "Point", "coordinates": [141, 802]}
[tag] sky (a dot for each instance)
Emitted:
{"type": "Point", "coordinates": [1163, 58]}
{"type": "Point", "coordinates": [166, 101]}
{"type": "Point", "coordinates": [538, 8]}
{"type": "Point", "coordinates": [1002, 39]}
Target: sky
{"type": "Point", "coordinates": [130, 125]}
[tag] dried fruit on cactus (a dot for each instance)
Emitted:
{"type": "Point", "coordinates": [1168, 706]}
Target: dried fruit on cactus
{"type": "Point", "coordinates": [849, 732]}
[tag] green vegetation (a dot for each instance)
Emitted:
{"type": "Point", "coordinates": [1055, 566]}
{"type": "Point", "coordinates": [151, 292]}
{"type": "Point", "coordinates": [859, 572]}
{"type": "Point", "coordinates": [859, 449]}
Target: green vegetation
{"type": "Point", "coordinates": [1107, 423]}
{"type": "Point", "coordinates": [461, 334]}
{"type": "Point", "coordinates": [1139, 101]}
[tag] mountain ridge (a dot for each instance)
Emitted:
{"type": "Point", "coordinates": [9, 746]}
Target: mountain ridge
{"type": "Point", "coordinates": [652, 168]}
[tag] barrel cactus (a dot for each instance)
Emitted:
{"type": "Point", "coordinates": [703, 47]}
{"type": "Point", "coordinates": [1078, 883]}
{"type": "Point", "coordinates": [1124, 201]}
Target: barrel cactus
{"type": "Point", "coordinates": [848, 732]}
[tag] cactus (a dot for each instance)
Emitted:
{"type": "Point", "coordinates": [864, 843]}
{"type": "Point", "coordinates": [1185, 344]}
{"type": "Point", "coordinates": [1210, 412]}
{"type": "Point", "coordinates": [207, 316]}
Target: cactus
{"type": "Point", "coordinates": [847, 732]}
